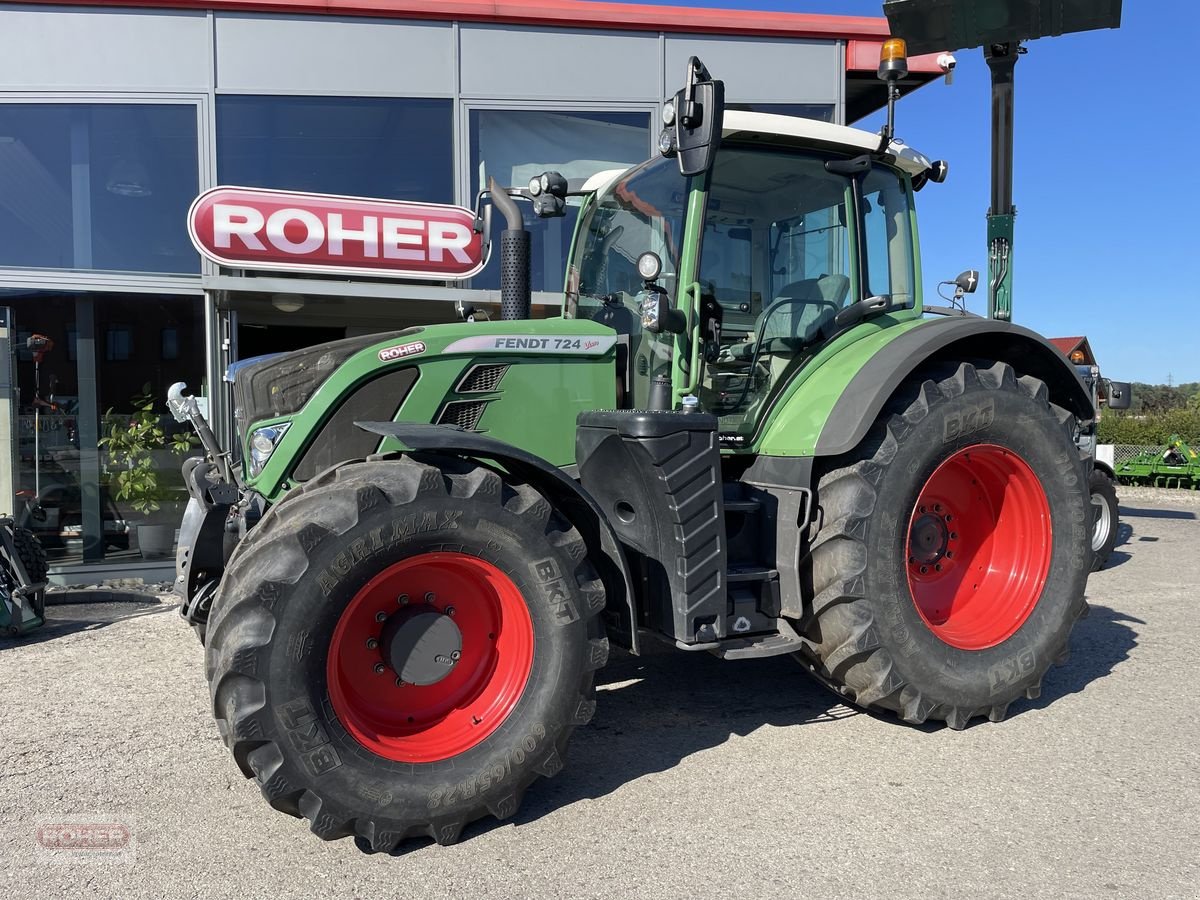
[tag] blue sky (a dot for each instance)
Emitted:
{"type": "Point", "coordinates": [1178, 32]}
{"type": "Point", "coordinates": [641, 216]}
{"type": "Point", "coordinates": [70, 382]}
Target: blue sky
{"type": "Point", "coordinates": [1106, 187]}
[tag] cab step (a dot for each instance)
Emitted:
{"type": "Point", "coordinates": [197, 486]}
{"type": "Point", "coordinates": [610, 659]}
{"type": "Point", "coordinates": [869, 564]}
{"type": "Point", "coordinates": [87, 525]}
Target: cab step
{"type": "Point", "coordinates": [758, 645]}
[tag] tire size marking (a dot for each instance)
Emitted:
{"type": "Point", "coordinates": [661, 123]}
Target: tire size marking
{"type": "Point", "coordinates": [401, 529]}
{"type": "Point", "coordinates": [305, 733]}
{"type": "Point", "coordinates": [492, 773]}
{"type": "Point", "coordinates": [971, 419]}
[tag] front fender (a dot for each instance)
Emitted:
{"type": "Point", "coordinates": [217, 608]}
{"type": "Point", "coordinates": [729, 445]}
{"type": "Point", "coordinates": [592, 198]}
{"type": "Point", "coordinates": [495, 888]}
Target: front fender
{"type": "Point", "coordinates": [562, 490]}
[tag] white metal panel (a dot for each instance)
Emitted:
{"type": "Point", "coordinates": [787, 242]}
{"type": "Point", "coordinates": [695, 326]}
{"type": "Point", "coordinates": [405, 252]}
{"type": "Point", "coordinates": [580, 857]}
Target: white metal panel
{"type": "Point", "coordinates": [759, 70]}
{"type": "Point", "coordinates": [326, 55]}
{"type": "Point", "coordinates": [55, 48]}
{"type": "Point", "coordinates": [559, 64]}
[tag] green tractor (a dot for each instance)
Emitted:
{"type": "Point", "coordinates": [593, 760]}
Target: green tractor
{"type": "Point", "coordinates": [742, 437]}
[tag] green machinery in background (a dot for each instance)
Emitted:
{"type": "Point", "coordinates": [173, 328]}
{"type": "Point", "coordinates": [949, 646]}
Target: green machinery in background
{"type": "Point", "coordinates": [1176, 466]}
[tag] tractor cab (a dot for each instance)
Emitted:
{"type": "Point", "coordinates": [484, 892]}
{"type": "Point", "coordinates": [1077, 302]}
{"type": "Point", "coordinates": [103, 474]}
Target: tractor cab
{"type": "Point", "coordinates": [796, 232]}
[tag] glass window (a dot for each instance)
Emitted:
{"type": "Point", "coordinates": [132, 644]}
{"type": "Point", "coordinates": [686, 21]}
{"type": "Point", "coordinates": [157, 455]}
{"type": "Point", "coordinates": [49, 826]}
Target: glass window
{"type": "Point", "coordinates": [887, 228]}
{"type": "Point", "coordinates": [514, 145]}
{"type": "Point", "coordinates": [820, 111]}
{"type": "Point", "coordinates": [98, 186]}
{"type": "Point", "coordinates": [395, 149]}
{"type": "Point", "coordinates": [776, 256]}
{"type": "Point", "coordinates": [57, 432]}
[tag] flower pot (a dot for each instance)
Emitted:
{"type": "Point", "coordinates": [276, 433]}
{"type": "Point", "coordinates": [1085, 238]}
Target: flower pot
{"type": "Point", "coordinates": [156, 541]}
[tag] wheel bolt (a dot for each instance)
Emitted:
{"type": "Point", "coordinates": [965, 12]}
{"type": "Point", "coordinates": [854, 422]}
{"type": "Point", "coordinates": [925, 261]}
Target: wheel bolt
{"type": "Point", "coordinates": [924, 569]}
{"type": "Point", "coordinates": [429, 597]}
{"type": "Point", "coordinates": [450, 610]}
{"type": "Point", "coordinates": [380, 668]}
{"type": "Point", "coordinates": [455, 654]}
{"type": "Point", "coordinates": [372, 643]}
{"type": "Point", "coordinates": [399, 682]}
{"type": "Point", "coordinates": [381, 616]}
{"type": "Point", "coordinates": [402, 599]}
{"type": "Point", "coordinates": [954, 535]}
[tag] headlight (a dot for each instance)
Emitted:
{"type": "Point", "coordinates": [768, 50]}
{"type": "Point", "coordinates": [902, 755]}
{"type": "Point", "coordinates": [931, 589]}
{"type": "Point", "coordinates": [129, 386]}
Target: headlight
{"type": "Point", "coordinates": [263, 442]}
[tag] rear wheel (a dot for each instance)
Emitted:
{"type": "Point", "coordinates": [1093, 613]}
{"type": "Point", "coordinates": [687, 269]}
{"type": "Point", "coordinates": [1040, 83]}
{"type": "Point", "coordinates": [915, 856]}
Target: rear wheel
{"type": "Point", "coordinates": [404, 647]}
{"type": "Point", "coordinates": [1105, 518]}
{"type": "Point", "coordinates": [952, 557]}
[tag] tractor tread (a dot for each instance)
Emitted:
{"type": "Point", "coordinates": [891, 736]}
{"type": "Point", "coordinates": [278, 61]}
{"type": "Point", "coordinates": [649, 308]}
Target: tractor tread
{"type": "Point", "coordinates": [243, 623]}
{"type": "Point", "coordinates": [841, 646]}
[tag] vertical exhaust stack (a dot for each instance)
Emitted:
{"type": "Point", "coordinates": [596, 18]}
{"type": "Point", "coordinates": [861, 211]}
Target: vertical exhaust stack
{"type": "Point", "coordinates": [514, 257]}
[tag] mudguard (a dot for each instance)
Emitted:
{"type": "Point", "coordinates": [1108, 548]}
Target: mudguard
{"type": "Point", "coordinates": [565, 492]}
{"type": "Point", "coordinates": [960, 339]}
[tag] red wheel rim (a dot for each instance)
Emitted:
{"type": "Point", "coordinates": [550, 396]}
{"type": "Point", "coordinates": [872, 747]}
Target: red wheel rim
{"type": "Point", "coordinates": [979, 544]}
{"type": "Point", "coordinates": [435, 595]}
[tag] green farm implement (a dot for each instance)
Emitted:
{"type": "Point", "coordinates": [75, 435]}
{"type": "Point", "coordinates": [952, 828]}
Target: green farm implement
{"type": "Point", "coordinates": [1175, 466]}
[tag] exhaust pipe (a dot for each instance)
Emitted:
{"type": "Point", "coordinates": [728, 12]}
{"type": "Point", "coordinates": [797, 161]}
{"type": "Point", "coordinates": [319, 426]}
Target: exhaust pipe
{"type": "Point", "coordinates": [514, 257]}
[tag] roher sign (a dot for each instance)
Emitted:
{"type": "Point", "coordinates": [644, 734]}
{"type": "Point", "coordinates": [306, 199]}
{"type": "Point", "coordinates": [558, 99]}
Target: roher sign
{"type": "Point", "coordinates": [255, 228]}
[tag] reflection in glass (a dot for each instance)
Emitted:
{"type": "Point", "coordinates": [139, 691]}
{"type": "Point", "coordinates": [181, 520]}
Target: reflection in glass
{"type": "Point", "coordinates": [97, 186]}
{"type": "Point", "coordinates": [395, 149]}
{"type": "Point", "coordinates": [514, 145]}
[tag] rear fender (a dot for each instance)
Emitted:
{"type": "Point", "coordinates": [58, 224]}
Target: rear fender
{"type": "Point", "coordinates": [856, 383]}
{"type": "Point", "coordinates": [563, 491]}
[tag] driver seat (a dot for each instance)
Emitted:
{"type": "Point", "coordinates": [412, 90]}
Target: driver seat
{"type": "Point", "coordinates": [815, 302]}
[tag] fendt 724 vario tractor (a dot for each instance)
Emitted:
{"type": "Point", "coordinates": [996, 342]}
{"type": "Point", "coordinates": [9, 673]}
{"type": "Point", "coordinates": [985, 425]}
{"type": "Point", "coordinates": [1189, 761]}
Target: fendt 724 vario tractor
{"type": "Point", "coordinates": [741, 437]}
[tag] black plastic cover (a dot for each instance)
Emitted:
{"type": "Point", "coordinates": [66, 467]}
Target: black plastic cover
{"type": "Point", "coordinates": [338, 439]}
{"type": "Point", "coordinates": [657, 478]}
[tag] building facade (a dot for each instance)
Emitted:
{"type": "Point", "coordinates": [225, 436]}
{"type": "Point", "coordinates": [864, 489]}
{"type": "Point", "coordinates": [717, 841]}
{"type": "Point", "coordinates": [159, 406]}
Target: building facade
{"type": "Point", "coordinates": [113, 119]}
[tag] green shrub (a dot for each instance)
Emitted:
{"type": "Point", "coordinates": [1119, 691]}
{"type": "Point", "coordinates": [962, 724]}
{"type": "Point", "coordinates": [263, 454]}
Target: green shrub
{"type": "Point", "coordinates": [1150, 429]}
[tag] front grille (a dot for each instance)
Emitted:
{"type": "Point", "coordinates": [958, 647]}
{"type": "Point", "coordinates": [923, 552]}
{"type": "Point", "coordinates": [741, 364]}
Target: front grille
{"type": "Point", "coordinates": [481, 379]}
{"type": "Point", "coordinates": [463, 413]}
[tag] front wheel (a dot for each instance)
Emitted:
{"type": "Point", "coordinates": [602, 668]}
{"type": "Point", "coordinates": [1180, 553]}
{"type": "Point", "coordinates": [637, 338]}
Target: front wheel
{"type": "Point", "coordinates": [953, 552]}
{"type": "Point", "coordinates": [1105, 517]}
{"type": "Point", "coordinates": [402, 647]}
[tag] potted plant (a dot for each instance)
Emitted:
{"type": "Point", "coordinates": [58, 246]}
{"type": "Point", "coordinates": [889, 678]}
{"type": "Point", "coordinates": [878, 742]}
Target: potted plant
{"type": "Point", "coordinates": [130, 443]}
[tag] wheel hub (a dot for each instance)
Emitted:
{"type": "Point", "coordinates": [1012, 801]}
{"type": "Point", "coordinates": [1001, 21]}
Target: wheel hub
{"type": "Point", "coordinates": [421, 644]}
{"type": "Point", "coordinates": [929, 540]}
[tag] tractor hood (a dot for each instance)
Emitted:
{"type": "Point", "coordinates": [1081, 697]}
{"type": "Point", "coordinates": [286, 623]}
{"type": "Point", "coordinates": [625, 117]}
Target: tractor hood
{"type": "Point", "coordinates": [520, 381]}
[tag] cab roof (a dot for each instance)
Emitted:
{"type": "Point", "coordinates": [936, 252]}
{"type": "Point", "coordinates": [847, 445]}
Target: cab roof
{"type": "Point", "coordinates": [755, 126]}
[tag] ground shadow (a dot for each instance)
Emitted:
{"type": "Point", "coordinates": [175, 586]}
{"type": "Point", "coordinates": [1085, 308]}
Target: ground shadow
{"type": "Point", "coordinates": [1098, 643]}
{"type": "Point", "coordinates": [656, 710]}
{"type": "Point", "coordinates": [1142, 513]}
{"type": "Point", "coordinates": [71, 618]}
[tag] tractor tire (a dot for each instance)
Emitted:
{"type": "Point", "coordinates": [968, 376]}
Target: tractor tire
{"type": "Point", "coordinates": [402, 647]}
{"type": "Point", "coordinates": [1105, 518]}
{"type": "Point", "coordinates": [951, 560]}
{"type": "Point", "coordinates": [33, 555]}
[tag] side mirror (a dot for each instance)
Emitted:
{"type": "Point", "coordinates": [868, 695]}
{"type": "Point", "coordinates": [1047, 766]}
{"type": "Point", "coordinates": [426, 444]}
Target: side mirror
{"type": "Point", "coordinates": [699, 111]}
{"type": "Point", "coordinates": [1119, 394]}
{"type": "Point", "coordinates": [967, 281]}
{"type": "Point", "coordinates": [658, 315]}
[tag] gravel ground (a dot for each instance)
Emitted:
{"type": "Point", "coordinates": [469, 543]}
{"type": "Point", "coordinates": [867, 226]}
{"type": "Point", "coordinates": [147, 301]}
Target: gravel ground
{"type": "Point", "coordinates": [698, 778]}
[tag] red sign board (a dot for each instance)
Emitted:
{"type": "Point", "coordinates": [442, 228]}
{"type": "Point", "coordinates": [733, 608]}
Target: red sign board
{"type": "Point", "coordinates": [254, 228]}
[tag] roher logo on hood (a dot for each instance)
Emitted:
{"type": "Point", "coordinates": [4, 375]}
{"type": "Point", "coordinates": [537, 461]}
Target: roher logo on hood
{"type": "Point", "coordinates": [254, 228]}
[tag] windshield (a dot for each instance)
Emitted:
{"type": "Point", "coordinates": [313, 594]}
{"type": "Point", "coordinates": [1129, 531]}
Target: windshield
{"type": "Point", "coordinates": [643, 211]}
